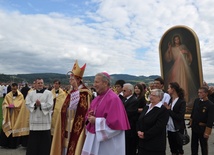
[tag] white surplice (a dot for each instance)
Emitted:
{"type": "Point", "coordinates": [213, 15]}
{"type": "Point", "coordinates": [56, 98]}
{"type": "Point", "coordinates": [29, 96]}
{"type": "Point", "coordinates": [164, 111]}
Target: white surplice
{"type": "Point", "coordinates": [105, 141]}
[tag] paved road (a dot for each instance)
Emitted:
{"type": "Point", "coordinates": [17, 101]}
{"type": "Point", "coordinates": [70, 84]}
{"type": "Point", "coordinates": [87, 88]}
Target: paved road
{"type": "Point", "coordinates": [18, 151]}
{"type": "Point", "coordinates": [187, 151]}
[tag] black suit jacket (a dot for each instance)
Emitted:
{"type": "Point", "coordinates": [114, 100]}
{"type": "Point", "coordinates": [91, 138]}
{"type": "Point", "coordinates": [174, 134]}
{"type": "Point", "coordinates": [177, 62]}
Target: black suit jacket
{"type": "Point", "coordinates": [153, 124]}
{"type": "Point", "coordinates": [202, 112]}
{"type": "Point", "coordinates": [177, 114]}
{"type": "Point", "coordinates": [131, 106]}
{"type": "Point", "coordinates": [24, 91]}
{"type": "Point", "coordinates": [121, 97]}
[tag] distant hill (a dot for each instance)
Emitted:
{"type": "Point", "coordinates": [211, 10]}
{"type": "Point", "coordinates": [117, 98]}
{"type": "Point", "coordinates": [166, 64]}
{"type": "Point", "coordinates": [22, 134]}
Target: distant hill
{"type": "Point", "coordinates": [50, 77]}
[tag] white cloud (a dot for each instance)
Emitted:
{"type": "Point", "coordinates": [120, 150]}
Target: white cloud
{"type": "Point", "coordinates": [107, 37]}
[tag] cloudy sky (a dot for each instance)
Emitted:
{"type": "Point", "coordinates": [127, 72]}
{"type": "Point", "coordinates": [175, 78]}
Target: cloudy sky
{"type": "Point", "coordinates": [117, 36]}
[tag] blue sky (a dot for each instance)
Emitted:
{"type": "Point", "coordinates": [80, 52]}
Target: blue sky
{"type": "Point", "coordinates": [117, 36]}
{"type": "Point", "coordinates": [67, 7]}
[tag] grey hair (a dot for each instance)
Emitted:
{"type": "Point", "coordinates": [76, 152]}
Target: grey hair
{"type": "Point", "coordinates": [158, 92]}
{"type": "Point", "coordinates": [104, 78]}
{"type": "Point", "coordinates": [129, 86]}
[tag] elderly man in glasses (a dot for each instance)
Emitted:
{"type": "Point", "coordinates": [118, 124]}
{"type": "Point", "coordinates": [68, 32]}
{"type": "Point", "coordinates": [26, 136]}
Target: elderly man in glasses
{"type": "Point", "coordinates": [131, 104]}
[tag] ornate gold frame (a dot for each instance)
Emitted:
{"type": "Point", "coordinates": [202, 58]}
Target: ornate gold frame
{"type": "Point", "coordinates": [190, 37]}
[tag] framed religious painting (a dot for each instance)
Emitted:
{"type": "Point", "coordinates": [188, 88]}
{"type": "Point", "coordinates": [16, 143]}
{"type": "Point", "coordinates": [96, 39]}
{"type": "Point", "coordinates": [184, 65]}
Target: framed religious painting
{"type": "Point", "coordinates": [180, 60]}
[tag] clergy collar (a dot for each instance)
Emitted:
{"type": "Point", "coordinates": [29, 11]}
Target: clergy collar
{"type": "Point", "coordinates": [40, 91]}
{"type": "Point", "coordinates": [57, 91]}
{"type": "Point", "coordinates": [15, 94]}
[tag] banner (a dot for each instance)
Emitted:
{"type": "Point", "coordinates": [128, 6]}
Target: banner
{"type": "Point", "coordinates": [180, 60]}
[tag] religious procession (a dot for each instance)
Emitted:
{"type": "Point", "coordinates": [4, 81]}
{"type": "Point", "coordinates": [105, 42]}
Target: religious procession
{"type": "Point", "coordinates": [158, 118]}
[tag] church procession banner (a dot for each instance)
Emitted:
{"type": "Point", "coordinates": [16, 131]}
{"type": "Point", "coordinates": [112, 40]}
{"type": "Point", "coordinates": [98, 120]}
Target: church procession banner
{"type": "Point", "coordinates": [180, 60]}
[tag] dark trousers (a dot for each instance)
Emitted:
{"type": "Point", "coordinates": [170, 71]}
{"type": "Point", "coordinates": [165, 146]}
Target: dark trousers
{"type": "Point", "coordinates": [142, 151]}
{"type": "Point", "coordinates": [24, 140]}
{"type": "Point", "coordinates": [175, 148]}
{"type": "Point", "coordinates": [131, 145]}
{"type": "Point", "coordinates": [196, 138]}
{"type": "Point", "coordinates": [39, 143]}
{"type": "Point", "coordinates": [8, 142]}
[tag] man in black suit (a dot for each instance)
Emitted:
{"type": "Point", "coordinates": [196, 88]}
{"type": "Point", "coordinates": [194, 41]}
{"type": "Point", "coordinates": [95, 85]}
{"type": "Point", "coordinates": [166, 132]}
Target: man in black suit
{"type": "Point", "coordinates": [25, 90]}
{"type": "Point", "coordinates": [201, 121]}
{"type": "Point", "coordinates": [131, 105]}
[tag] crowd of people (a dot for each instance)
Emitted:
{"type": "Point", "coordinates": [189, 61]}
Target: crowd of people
{"type": "Point", "coordinates": [125, 119]}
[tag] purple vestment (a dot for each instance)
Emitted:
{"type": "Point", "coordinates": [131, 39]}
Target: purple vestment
{"type": "Point", "coordinates": [109, 106]}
